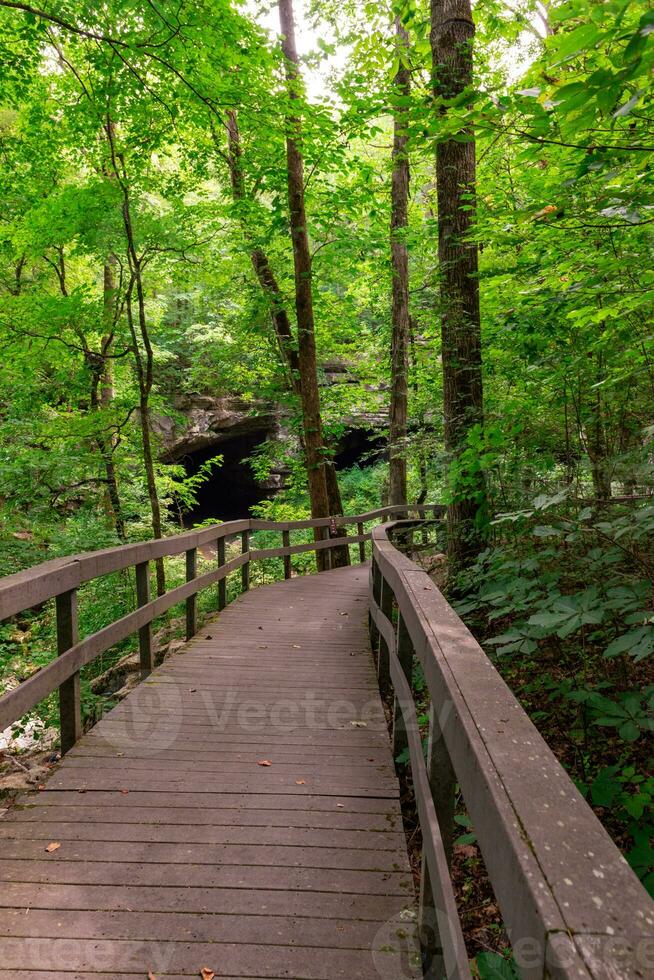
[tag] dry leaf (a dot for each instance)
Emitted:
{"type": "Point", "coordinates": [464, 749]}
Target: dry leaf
{"type": "Point", "coordinates": [41, 788]}
{"type": "Point", "coordinates": [359, 724]}
{"type": "Point", "coordinates": [206, 973]}
{"type": "Point", "coordinates": [53, 847]}
{"type": "Point", "coordinates": [124, 792]}
{"type": "Point", "coordinates": [549, 209]}
{"type": "Point", "coordinates": [340, 805]}
{"type": "Point", "coordinates": [296, 646]}
{"type": "Point", "coordinates": [264, 762]}
{"type": "Point", "coordinates": [151, 975]}
{"type": "Point", "coordinates": [300, 782]}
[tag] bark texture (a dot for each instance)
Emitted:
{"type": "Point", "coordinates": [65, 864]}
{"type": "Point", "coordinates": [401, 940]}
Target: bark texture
{"type": "Point", "coordinates": [452, 34]}
{"type": "Point", "coordinates": [397, 493]}
{"type": "Point", "coordinates": [280, 319]}
{"type": "Point", "coordinates": [310, 394]}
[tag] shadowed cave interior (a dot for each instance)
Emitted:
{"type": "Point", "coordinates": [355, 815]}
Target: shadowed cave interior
{"type": "Point", "coordinates": [232, 490]}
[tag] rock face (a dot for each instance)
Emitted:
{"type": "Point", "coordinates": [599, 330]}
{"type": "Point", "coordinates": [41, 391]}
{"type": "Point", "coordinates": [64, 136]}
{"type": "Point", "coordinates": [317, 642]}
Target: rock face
{"type": "Point", "coordinates": [208, 422]}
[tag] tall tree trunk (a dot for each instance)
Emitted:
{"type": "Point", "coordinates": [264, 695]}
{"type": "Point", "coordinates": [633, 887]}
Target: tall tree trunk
{"type": "Point", "coordinates": [310, 394]}
{"type": "Point", "coordinates": [452, 33]}
{"type": "Point", "coordinates": [397, 493]}
{"type": "Point", "coordinates": [280, 319]}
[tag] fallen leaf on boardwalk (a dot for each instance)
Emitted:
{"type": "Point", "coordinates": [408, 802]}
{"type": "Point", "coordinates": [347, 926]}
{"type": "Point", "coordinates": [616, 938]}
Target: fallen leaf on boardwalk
{"type": "Point", "coordinates": [192, 690]}
{"type": "Point", "coordinates": [359, 724]}
{"type": "Point", "coordinates": [124, 792]}
{"type": "Point", "coordinates": [296, 646]}
{"type": "Point", "coordinates": [300, 782]}
{"type": "Point", "coordinates": [151, 975]}
{"type": "Point", "coordinates": [53, 847]}
{"type": "Point", "coordinates": [41, 788]}
{"type": "Point", "coordinates": [344, 614]}
{"type": "Point", "coordinates": [264, 762]}
{"type": "Point", "coordinates": [206, 973]}
{"type": "Point", "coordinates": [340, 805]}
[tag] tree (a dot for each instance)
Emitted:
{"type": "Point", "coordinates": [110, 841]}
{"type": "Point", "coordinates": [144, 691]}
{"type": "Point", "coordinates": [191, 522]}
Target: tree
{"type": "Point", "coordinates": [397, 468]}
{"type": "Point", "coordinates": [314, 444]}
{"type": "Point", "coordinates": [452, 33]}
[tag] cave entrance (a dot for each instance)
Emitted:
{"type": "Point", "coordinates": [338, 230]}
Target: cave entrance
{"type": "Point", "coordinates": [231, 489]}
{"type": "Point", "coordinates": [360, 447]}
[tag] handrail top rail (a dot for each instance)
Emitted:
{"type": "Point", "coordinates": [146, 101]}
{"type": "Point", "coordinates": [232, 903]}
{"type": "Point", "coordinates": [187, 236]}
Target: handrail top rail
{"type": "Point", "coordinates": [37, 584]}
{"type": "Point", "coordinates": [557, 873]}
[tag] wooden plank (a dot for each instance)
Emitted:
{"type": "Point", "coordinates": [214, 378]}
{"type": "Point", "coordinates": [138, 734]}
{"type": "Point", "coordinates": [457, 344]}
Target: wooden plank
{"type": "Point", "coordinates": [150, 875]}
{"type": "Point", "coordinates": [73, 808]}
{"type": "Point", "coordinates": [198, 927]}
{"type": "Point", "coordinates": [161, 833]}
{"type": "Point", "coordinates": [160, 957]}
{"type": "Point", "coordinates": [199, 899]}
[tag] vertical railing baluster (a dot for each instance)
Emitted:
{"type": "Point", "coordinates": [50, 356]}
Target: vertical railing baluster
{"type": "Point", "coordinates": [383, 664]}
{"type": "Point", "coordinates": [245, 570]}
{"type": "Point", "coordinates": [327, 553]}
{"type": "Point", "coordinates": [70, 709]}
{"type": "Point", "coordinates": [222, 585]}
{"type": "Point", "coordinates": [145, 632]}
{"type": "Point", "coordinates": [405, 657]}
{"type": "Point", "coordinates": [376, 593]}
{"type": "Point", "coordinates": [442, 783]}
{"type": "Point", "coordinates": [192, 600]}
{"type": "Point", "coordinates": [286, 543]}
{"type": "Point", "coordinates": [362, 544]}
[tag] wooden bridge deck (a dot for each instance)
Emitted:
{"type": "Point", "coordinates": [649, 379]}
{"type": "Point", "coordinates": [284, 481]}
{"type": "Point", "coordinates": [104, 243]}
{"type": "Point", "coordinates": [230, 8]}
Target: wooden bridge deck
{"type": "Point", "coordinates": [179, 850]}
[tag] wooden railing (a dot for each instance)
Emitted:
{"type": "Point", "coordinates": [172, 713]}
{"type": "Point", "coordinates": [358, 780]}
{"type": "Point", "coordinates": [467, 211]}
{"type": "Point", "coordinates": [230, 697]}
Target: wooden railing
{"type": "Point", "coordinates": [570, 903]}
{"type": "Point", "coordinates": [60, 579]}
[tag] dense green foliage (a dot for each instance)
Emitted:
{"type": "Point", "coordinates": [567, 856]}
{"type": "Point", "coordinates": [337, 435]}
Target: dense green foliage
{"type": "Point", "coordinates": [120, 109]}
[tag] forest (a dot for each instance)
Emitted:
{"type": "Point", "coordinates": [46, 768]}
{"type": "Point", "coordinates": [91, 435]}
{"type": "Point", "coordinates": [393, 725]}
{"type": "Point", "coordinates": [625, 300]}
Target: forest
{"type": "Point", "coordinates": [306, 260]}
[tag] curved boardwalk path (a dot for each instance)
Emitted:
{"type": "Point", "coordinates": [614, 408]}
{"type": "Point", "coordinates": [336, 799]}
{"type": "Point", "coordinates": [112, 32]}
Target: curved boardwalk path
{"type": "Point", "coordinates": [179, 850]}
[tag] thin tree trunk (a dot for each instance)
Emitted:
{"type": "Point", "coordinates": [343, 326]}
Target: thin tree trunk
{"type": "Point", "coordinates": [312, 422]}
{"type": "Point", "coordinates": [280, 319]}
{"type": "Point", "coordinates": [144, 375]}
{"type": "Point", "coordinates": [452, 33]}
{"type": "Point", "coordinates": [143, 361]}
{"type": "Point", "coordinates": [107, 445]}
{"type": "Point", "coordinates": [397, 493]}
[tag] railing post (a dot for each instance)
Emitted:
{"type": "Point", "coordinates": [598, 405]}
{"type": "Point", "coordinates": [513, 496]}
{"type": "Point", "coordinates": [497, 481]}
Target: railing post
{"type": "Point", "coordinates": [145, 632]}
{"type": "Point", "coordinates": [376, 589]}
{"type": "Point", "coordinates": [327, 553]}
{"type": "Point", "coordinates": [383, 665]}
{"type": "Point", "coordinates": [192, 601]}
{"type": "Point", "coordinates": [442, 783]}
{"type": "Point", "coordinates": [245, 570]}
{"type": "Point", "coordinates": [405, 656]}
{"type": "Point", "coordinates": [362, 544]}
{"type": "Point", "coordinates": [286, 543]}
{"type": "Point", "coordinates": [222, 585]}
{"type": "Point", "coordinates": [70, 709]}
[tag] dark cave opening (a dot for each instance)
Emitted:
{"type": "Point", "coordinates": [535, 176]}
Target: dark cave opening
{"type": "Point", "coordinates": [360, 447]}
{"type": "Point", "coordinates": [231, 489]}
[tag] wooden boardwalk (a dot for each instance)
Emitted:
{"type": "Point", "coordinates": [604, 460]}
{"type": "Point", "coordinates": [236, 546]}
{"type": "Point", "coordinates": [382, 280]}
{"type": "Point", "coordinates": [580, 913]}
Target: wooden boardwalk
{"type": "Point", "coordinates": [179, 849]}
